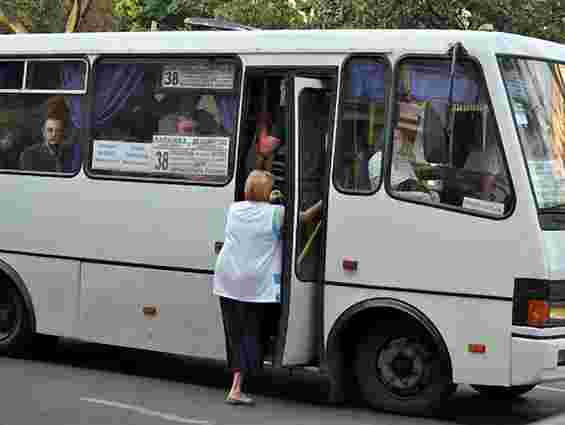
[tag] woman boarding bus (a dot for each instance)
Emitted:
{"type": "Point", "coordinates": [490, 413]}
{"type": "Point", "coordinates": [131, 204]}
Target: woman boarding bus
{"type": "Point", "coordinates": [438, 156]}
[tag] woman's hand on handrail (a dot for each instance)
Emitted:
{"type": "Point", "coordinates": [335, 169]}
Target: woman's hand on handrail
{"type": "Point", "coordinates": [312, 214]}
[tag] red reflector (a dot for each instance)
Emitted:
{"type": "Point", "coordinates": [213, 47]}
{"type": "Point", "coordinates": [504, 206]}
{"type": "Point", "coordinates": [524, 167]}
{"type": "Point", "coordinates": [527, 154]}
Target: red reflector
{"type": "Point", "coordinates": [477, 348]}
{"type": "Point", "coordinates": [350, 265]}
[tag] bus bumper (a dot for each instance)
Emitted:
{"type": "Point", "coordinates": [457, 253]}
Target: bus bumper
{"type": "Point", "coordinates": [537, 359]}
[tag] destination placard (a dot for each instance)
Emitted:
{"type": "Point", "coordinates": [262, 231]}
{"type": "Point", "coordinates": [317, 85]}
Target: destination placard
{"type": "Point", "coordinates": [191, 155]}
{"type": "Point", "coordinates": [122, 156]}
{"type": "Point", "coordinates": [199, 74]}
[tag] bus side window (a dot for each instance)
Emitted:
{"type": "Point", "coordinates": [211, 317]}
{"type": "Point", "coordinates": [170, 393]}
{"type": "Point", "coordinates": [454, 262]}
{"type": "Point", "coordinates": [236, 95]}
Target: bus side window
{"type": "Point", "coordinates": [359, 145]}
{"type": "Point", "coordinates": [465, 170]}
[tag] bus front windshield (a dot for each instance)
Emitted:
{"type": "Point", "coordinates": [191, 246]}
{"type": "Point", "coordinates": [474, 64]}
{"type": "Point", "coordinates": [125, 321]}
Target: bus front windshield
{"type": "Point", "coordinates": [537, 96]}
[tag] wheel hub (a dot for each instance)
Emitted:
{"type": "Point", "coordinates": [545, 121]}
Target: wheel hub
{"type": "Point", "coordinates": [404, 366]}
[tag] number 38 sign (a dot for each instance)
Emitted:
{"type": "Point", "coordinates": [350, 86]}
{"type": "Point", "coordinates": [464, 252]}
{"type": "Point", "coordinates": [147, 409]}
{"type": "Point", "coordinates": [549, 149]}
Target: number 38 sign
{"type": "Point", "coordinates": [161, 160]}
{"type": "Point", "coordinates": [199, 74]}
{"type": "Point", "coordinates": [170, 79]}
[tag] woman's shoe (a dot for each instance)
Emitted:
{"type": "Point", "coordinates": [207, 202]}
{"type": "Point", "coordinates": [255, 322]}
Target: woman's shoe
{"type": "Point", "coordinates": [242, 399]}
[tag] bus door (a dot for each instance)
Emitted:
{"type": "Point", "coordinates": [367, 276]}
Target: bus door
{"type": "Point", "coordinates": [301, 293]}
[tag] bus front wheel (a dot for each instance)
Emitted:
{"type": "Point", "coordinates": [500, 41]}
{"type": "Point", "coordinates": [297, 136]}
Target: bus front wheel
{"type": "Point", "coordinates": [14, 320]}
{"type": "Point", "coordinates": [399, 369]}
{"type": "Point", "coordinates": [503, 393]}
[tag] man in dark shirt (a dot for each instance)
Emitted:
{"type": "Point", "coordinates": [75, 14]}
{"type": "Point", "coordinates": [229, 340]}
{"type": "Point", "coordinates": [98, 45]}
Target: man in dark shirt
{"type": "Point", "coordinates": [49, 155]}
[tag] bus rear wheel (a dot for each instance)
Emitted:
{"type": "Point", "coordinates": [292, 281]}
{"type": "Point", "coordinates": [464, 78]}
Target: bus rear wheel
{"type": "Point", "coordinates": [399, 369]}
{"type": "Point", "coordinates": [14, 320]}
{"type": "Point", "coordinates": [503, 393]}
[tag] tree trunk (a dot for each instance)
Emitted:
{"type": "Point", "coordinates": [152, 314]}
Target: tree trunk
{"type": "Point", "coordinates": [93, 16]}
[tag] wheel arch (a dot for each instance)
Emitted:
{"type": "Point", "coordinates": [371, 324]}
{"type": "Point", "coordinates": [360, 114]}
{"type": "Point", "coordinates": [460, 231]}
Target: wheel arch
{"type": "Point", "coordinates": [343, 337]}
{"type": "Point", "coordinates": [7, 272]}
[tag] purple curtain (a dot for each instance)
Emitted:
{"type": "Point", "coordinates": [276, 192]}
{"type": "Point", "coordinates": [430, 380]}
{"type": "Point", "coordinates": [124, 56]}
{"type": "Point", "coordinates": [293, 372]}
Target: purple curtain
{"type": "Point", "coordinates": [227, 105]}
{"type": "Point", "coordinates": [367, 81]}
{"type": "Point", "coordinates": [431, 80]}
{"type": "Point", "coordinates": [73, 79]}
{"type": "Point", "coordinates": [115, 84]}
{"type": "Point", "coordinates": [427, 81]}
{"type": "Point", "coordinates": [11, 74]}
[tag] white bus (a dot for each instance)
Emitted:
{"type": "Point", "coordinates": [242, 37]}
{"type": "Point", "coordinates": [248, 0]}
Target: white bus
{"type": "Point", "coordinates": [439, 156]}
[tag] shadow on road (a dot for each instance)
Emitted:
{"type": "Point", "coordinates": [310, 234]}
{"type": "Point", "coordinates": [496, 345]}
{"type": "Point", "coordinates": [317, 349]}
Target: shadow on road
{"type": "Point", "coordinates": [467, 407]}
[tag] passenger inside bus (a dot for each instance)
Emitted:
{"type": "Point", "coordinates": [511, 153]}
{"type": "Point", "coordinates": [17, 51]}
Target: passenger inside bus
{"type": "Point", "coordinates": [265, 129]}
{"type": "Point", "coordinates": [190, 115]}
{"type": "Point", "coordinates": [54, 153]}
{"type": "Point", "coordinates": [408, 152]}
{"type": "Point", "coordinates": [454, 157]}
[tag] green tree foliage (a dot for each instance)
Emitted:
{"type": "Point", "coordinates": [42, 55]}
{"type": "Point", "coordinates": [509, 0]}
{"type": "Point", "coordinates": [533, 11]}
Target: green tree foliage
{"type": "Point", "coordinates": [261, 13]}
{"type": "Point", "coordinates": [537, 18]}
{"type": "Point", "coordinates": [138, 14]}
{"type": "Point", "coordinates": [36, 15]}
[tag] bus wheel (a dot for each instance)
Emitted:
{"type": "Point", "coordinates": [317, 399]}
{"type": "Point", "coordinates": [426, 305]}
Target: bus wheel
{"type": "Point", "coordinates": [14, 320]}
{"type": "Point", "coordinates": [399, 369]}
{"type": "Point", "coordinates": [503, 393]}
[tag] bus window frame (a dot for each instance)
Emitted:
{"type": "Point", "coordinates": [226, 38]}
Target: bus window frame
{"type": "Point", "coordinates": [164, 59]}
{"type": "Point", "coordinates": [389, 80]}
{"type": "Point", "coordinates": [24, 91]}
{"type": "Point", "coordinates": [488, 102]}
{"type": "Point", "coordinates": [66, 58]}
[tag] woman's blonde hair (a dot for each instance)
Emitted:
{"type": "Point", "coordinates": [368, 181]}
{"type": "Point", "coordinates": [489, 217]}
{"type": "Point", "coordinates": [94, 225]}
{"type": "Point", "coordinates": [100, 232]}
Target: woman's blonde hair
{"type": "Point", "coordinates": [258, 186]}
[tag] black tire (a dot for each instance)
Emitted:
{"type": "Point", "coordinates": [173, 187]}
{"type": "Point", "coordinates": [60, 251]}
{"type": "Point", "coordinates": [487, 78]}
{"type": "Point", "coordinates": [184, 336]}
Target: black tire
{"type": "Point", "coordinates": [15, 323]}
{"type": "Point", "coordinates": [503, 393]}
{"type": "Point", "coordinates": [399, 369]}
{"type": "Point", "coordinates": [44, 344]}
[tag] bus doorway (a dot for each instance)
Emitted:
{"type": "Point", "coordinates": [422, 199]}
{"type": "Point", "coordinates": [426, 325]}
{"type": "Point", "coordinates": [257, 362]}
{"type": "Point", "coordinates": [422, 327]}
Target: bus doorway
{"type": "Point", "coordinates": [296, 110]}
{"type": "Point", "coordinates": [302, 290]}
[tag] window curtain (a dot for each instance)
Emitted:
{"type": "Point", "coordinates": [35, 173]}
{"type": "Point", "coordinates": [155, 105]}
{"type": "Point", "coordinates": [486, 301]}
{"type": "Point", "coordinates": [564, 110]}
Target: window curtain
{"type": "Point", "coordinates": [11, 74]}
{"type": "Point", "coordinates": [367, 81]}
{"type": "Point", "coordinates": [115, 84]}
{"type": "Point", "coordinates": [73, 79]}
{"type": "Point", "coordinates": [227, 106]}
{"type": "Point", "coordinates": [431, 80]}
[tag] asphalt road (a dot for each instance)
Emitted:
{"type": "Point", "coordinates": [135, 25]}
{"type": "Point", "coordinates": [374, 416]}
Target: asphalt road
{"type": "Point", "coordinates": [91, 384]}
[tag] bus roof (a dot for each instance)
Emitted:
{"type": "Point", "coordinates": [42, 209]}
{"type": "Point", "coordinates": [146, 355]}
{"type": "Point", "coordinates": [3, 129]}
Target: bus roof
{"type": "Point", "coordinates": [279, 41]}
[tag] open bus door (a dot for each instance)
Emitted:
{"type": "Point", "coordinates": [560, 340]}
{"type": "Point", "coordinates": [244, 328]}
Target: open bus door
{"type": "Point", "coordinates": [301, 293]}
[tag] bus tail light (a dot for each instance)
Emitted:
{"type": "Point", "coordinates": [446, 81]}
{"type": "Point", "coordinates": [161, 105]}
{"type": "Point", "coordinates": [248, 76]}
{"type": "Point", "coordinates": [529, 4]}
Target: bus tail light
{"type": "Point", "coordinates": [538, 312]}
{"type": "Point", "coordinates": [539, 303]}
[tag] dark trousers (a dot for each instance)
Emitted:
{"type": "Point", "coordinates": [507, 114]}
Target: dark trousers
{"type": "Point", "coordinates": [243, 329]}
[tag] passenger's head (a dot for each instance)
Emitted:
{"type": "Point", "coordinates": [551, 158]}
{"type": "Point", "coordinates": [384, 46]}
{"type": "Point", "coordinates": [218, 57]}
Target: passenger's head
{"type": "Point", "coordinates": [186, 124]}
{"type": "Point", "coordinates": [258, 186]}
{"type": "Point", "coordinates": [54, 131]}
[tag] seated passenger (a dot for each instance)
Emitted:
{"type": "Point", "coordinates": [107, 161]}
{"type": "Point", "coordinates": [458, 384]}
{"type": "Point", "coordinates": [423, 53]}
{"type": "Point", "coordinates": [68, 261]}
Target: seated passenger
{"type": "Point", "coordinates": [403, 178]}
{"type": "Point", "coordinates": [51, 154]}
{"type": "Point", "coordinates": [488, 163]}
{"type": "Point", "coordinates": [186, 110]}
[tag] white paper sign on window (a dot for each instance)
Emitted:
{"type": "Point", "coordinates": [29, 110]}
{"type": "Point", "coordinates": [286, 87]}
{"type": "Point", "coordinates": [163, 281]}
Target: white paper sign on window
{"type": "Point", "coordinates": [191, 155]}
{"type": "Point", "coordinates": [122, 156]}
{"type": "Point", "coordinates": [199, 74]}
